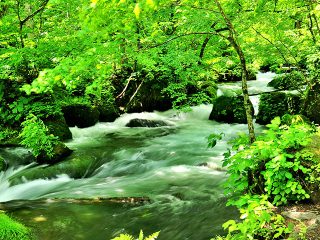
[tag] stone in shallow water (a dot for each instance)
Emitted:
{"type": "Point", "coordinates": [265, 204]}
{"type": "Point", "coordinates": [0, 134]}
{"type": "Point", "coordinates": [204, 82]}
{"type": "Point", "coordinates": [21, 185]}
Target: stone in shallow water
{"type": "Point", "coordinates": [136, 122]}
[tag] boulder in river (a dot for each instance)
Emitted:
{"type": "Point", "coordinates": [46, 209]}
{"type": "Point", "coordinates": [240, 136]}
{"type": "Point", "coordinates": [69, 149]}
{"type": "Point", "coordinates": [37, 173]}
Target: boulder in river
{"type": "Point", "coordinates": [78, 166]}
{"type": "Point", "coordinates": [136, 122]}
{"type": "Point", "coordinates": [58, 127]}
{"type": "Point", "coordinates": [276, 104]}
{"type": "Point", "coordinates": [108, 113]}
{"type": "Point", "coordinates": [229, 109]}
{"type": "Point", "coordinates": [60, 152]}
{"type": "Point", "coordinates": [288, 81]}
{"type": "Point", "coordinates": [80, 115]}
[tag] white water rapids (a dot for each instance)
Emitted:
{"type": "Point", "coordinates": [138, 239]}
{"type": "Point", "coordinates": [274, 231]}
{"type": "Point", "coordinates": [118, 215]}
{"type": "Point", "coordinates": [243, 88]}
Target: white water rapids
{"type": "Point", "coordinates": [170, 165]}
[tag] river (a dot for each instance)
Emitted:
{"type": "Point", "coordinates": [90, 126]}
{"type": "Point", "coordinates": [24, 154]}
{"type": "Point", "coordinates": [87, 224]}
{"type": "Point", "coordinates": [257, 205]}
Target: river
{"type": "Point", "coordinates": [170, 165]}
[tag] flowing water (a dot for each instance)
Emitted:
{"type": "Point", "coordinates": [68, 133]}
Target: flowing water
{"type": "Point", "coordinates": [171, 166]}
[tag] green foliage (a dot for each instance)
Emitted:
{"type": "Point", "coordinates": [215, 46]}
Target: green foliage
{"type": "Point", "coordinates": [44, 110]}
{"type": "Point", "coordinates": [275, 168]}
{"type": "Point", "coordinates": [289, 81]}
{"type": "Point", "coordinates": [7, 133]}
{"type": "Point", "coordinates": [35, 136]}
{"type": "Point", "coordinates": [141, 236]}
{"type": "Point", "coordinates": [12, 230]}
{"type": "Point", "coordinates": [259, 221]}
{"type": "Point", "coordinates": [213, 138]}
{"type": "Point", "coordinates": [274, 165]}
{"type": "Point", "coordinates": [15, 111]}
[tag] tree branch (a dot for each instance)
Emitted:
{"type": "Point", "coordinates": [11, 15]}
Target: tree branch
{"type": "Point", "coordinates": [265, 38]}
{"type": "Point", "coordinates": [188, 34]}
{"type": "Point", "coordinates": [134, 94]}
{"type": "Point", "coordinates": [43, 5]}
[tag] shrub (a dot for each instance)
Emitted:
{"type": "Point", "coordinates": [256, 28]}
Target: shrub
{"type": "Point", "coordinates": [275, 164]}
{"type": "Point", "coordinates": [259, 220]}
{"type": "Point", "coordinates": [35, 136]}
{"type": "Point", "coordinates": [276, 168]}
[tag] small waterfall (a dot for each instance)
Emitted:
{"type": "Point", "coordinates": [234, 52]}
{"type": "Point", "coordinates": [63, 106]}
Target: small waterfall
{"type": "Point", "coordinates": [255, 88]}
{"type": "Point", "coordinates": [27, 189]}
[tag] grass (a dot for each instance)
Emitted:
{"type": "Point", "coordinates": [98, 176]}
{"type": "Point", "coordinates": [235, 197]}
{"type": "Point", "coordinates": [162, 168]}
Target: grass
{"type": "Point", "coordinates": [12, 230]}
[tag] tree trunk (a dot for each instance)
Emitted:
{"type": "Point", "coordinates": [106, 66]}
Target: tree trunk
{"type": "Point", "coordinates": [245, 76]}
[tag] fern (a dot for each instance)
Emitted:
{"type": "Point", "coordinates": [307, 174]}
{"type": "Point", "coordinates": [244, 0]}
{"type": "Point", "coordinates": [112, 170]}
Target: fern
{"type": "Point", "coordinates": [123, 237]}
{"type": "Point", "coordinates": [153, 236]}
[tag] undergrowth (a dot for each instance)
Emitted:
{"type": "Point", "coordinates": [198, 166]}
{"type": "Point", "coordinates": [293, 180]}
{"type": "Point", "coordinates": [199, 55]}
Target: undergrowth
{"type": "Point", "coordinates": [275, 170]}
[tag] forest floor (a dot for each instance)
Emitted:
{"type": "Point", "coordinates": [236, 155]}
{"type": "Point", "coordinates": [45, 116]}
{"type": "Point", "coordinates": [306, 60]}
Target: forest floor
{"type": "Point", "coordinates": [303, 215]}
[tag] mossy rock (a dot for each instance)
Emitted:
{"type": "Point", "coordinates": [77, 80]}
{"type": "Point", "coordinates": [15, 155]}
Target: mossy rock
{"type": "Point", "coordinates": [229, 109]}
{"type": "Point", "coordinates": [80, 115]}
{"type": "Point", "coordinates": [75, 166]}
{"type": "Point", "coordinates": [12, 230]}
{"type": "Point", "coordinates": [108, 113]}
{"type": "Point", "coordinates": [276, 104]}
{"type": "Point", "coordinates": [289, 81]}
{"type": "Point", "coordinates": [313, 147]}
{"type": "Point", "coordinates": [58, 127]}
{"type": "Point", "coordinates": [9, 137]}
{"type": "Point", "coordinates": [60, 152]}
{"type": "Point", "coordinates": [312, 104]}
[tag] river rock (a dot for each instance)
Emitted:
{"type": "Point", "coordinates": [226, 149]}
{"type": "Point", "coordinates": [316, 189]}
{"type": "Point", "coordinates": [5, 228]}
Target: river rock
{"type": "Point", "coordinates": [58, 127]}
{"type": "Point", "coordinates": [60, 152]}
{"type": "Point", "coordinates": [108, 113]}
{"type": "Point", "coordinates": [276, 104]}
{"type": "Point", "coordinates": [80, 115]}
{"type": "Point", "coordinates": [288, 81]}
{"type": "Point", "coordinates": [136, 122]}
{"type": "Point", "coordinates": [75, 166]}
{"type": "Point", "coordinates": [300, 215]}
{"type": "Point", "coordinates": [229, 109]}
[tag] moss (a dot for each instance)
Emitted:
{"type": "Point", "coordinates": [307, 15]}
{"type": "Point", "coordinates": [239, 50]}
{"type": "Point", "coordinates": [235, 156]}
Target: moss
{"type": "Point", "coordinates": [77, 167]}
{"type": "Point", "coordinates": [229, 109]}
{"type": "Point", "coordinates": [58, 127]}
{"type": "Point", "coordinates": [314, 147]}
{"type": "Point", "coordinates": [289, 81]}
{"type": "Point", "coordinates": [12, 230]}
{"type": "Point", "coordinates": [9, 137]}
{"type": "Point", "coordinates": [276, 104]}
